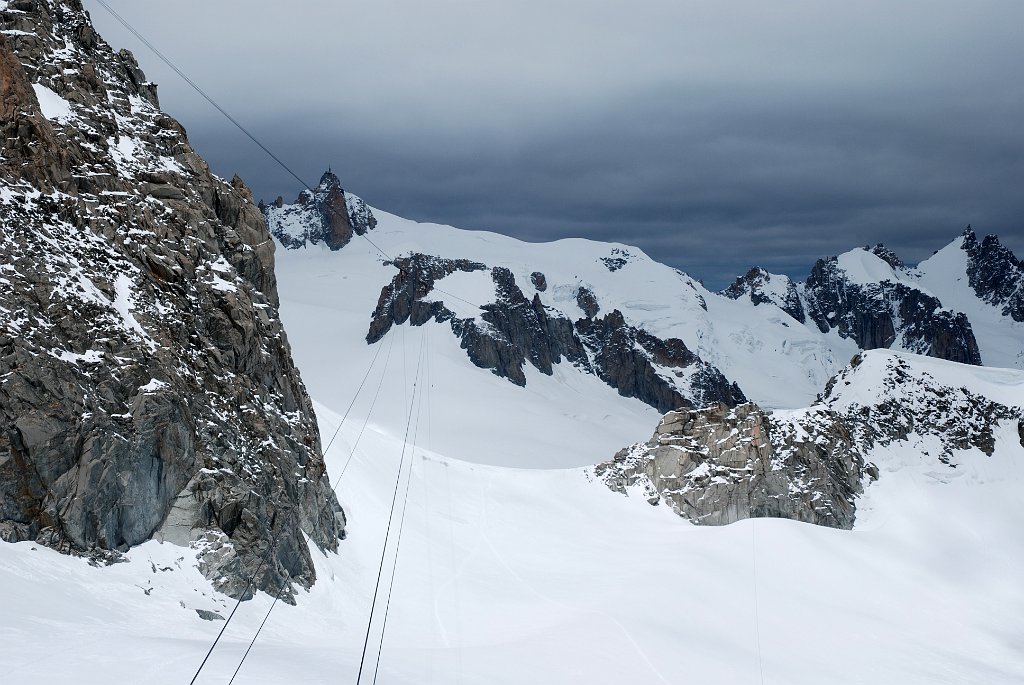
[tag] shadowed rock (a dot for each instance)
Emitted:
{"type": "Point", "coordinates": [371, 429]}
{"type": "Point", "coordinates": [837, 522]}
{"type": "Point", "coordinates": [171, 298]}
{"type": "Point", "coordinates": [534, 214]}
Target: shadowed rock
{"type": "Point", "coordinates": [514, 331]}
{"type": "Point", "coordinates": [148, 386]}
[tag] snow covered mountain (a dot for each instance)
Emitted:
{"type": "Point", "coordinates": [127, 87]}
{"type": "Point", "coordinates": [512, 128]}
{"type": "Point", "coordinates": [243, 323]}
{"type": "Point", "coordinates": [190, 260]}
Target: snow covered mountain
{"type": "Point", "coordinates": [963, 304]}
{"type": "Point", "coordinates": [150, 403]}
{"type": "Point", "coordinates": [648, 331]}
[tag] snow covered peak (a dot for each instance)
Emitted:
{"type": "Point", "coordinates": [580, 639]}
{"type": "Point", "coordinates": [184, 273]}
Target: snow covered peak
{"type": "Point", "coordinates": [868, 266]}
{"type": "Point", "coordinates": [328, 181]}
{"type": "Point", "coordinates": [762, 287]}
{"type": "Point", "coordinates": [326, 215]}
{"type": "Point", "coordinates": [985, 280]}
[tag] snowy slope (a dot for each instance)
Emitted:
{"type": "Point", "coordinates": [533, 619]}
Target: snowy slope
{"type": "Point", "coordinates": [881, 281]}
{"type": "Point", "coordinates": [1000, 338]}
{"type": "Point", "coordinates": [776, 361]}
{"type": "Point", "coordinates": [513, 576]}
{"type": "Point", "coordinates": [512, 571]}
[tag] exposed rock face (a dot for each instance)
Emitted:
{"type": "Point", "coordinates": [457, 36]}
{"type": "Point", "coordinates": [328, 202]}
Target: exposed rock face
{"type": "Point", "coordinates": [147, 384]}
{"type": "Point", "coordinates": [540, 282]}
{"type": "Point", "coordinates": [906, 403]}
{"type": "Point", "coordinates": [587, 301]}
{"type": "Point", "coordinates": [885, 314]}
{"type": "Point", "coordinates": [515, 330]}
{"type": "Point", "coordinates": [326, 215]}
{"type": "Point", "coordinates": [762, 287]}
{"type": "Point", "coordinates": [635, 363]}
{"type": "Point", "coordinates": [881, 315]}
{"type": "Point", "coordinates": [718, 465]}
{"type": "Point", "coordinates": [996, 275]}
{"type": "Point", "coordinates": [404, 298]}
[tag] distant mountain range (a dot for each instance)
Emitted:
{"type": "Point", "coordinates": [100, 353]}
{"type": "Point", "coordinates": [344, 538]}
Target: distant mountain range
{"type": "Point", "coordinates": [656, 334]}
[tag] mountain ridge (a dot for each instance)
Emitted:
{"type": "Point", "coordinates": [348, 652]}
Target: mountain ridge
{"type": "Point", "coordinates": [864, 299]}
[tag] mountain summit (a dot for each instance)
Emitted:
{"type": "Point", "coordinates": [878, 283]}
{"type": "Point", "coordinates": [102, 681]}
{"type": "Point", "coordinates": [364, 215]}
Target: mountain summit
{"type": "Point", "coordinates": [326, 214]}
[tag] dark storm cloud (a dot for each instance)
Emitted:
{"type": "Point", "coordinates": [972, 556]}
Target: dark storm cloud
{"type": "Point", "coordinates": [713, 137]}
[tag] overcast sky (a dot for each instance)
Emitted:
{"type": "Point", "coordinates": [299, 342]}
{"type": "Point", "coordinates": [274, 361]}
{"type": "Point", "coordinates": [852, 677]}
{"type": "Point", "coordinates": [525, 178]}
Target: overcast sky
{"type": "Point", "coordinates": [715, 135]}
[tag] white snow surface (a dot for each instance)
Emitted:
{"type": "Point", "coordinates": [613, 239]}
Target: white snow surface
{"type": "Point", "coordinates": [545, 576]}
{"type": "Point", "coordinates": [53, 106]}
{"type": "Point", "coordinates": [864, 267]}
{"type": "Point", "coordinates": [522, 575]}
{"type": "Point", "coordinates": [777, 361]}
{"type": "Point", "coordinates": [1000, 338]}
{"type": "Point", "coordinates": [516, 566]}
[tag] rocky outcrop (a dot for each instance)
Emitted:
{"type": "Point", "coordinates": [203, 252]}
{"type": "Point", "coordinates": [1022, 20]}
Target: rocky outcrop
{"type": "Point", "coordinates": [587, 301]}
{"type": "Point", "coordinates": [325, 214]}
{"type": "Point", "coordinates": [148, 388]}
{"type": "Point", "coordinates": [404, 299]}
{"type": "Point", "coordinates": [718, 465]}
{"type": "Point", "coordinates": [617, 259]}
{"type": "Point", "coordinates": [514, 330]}
{"type": "Point", "coordinates": [905, 402]}
{"type": "Point", "coordinates": [887, 314]}
{"type": "Point", "coordinates": [762, 287]}
{"type": "Point", "coordinates": [636, 363]}
{"type": "Point", "coordinates": [995, 274]}
{"type": "Point", "coordinates": [540, 282]}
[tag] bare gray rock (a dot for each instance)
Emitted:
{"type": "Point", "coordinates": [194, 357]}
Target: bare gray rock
{"type": "Point", "coordinates": [719, 465]}
{"type": "Point", "coordinates": [147, 384]}
{"type": "Point", "coordinates": [513, 331]}
{"type": "Point", "coordinates": [587, 301]}
{"type": "Point", "coordinates": [324, 214]}
{"type": "Point", "coordinates": [209, 615]}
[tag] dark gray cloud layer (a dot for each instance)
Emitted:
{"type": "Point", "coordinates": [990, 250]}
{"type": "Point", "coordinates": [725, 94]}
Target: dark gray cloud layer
{"type": "Point", "coordinates": [715, 136]}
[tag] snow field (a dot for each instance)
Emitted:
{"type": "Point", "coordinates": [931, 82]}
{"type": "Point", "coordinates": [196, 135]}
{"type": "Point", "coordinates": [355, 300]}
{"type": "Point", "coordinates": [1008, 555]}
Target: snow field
{"type": "Point", "coordinates": [515, 575]}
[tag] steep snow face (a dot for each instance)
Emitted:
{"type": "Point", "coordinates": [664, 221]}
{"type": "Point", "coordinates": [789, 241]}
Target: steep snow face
{"type": "Point", "coordinates": [865, 267]}
{"type": "Point", "coordinates": [947, 273]}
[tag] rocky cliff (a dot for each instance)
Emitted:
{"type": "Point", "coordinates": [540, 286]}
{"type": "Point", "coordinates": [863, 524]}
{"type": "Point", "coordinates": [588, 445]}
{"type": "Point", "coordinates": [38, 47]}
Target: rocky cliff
{"type": "Point", "coordinates": [514, 330]}
{"type": "Point", "coordinates": [869, 296]}
{"type": "Point", "coordinates": [147, 388]}
{"type": "Point", "coordinates": [326, 214]}
{"type": "Point", "coordinates": [995, 274]}
{"type": "Point", "coordinates": [717, 465]}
